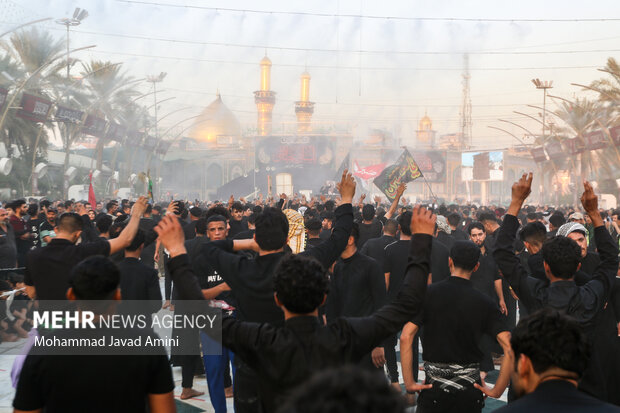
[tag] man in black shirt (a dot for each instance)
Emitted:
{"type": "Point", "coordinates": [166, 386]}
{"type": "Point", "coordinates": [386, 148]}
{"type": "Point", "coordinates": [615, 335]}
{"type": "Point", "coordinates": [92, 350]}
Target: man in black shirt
{"type": "Point", "coordinates": [147, 224]}
{"type": "Point", "coordinates": [551, 355]}
{"type": "Point", "coordinates": [357, 289]}
{"type": "Point", "coordinates": [313, 229]}
{"type": "Point", "coordinates": [454, 219]}
{"type": "Point", "coordinates": [578, 233]}
{"type": "Point", "coordinates": [8, 247]}
{"type": "Point", "coordinates": [46, 229]}
{"type": "Point", "coordinates": [251, 279]}
{"type": "Point", "coordinates": [455, 316]}
{"type": "Point", "coordinates": [375, 247]}
{"type": "Point", "coordinates": [48, 268]}
{"type": "Point", "coordinates": [195, 213]}
{"type": "Point", "coordinates": [562, 257]}
{"type": "Point", "coordinates": [285, 357]}
{"type": "Point", "coordinates": [370, 227]}
{"type": "Point", "coordinates": [80, 381]}
{"type": "Point", "coordinates": [237, 223]}
{"type": "Point", "coordinates": [138, 281]}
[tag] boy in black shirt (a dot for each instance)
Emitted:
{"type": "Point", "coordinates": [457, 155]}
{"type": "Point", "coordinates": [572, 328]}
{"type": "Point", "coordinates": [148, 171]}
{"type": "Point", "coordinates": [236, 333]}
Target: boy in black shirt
{"type": "Point", "coordinates": [455, 316]}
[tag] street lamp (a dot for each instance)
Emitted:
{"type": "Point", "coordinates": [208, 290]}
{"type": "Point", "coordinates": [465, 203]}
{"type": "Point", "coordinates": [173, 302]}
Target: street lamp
{"type": "Point", "coordinates": [155, 79]}
{"type": "Point", "coordinates": [78, 16]}
{"type": "Point", "coordinates": [544, 85]}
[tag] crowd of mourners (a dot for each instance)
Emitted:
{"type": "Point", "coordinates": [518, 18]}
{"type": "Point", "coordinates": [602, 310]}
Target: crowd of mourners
{"type": "Point", "coordinates": [319, 299]}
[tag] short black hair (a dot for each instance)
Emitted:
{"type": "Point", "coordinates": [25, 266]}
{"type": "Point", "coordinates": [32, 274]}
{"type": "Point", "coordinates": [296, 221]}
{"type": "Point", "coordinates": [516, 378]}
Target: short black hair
{"type": "Point", "coordinates": [16, 204]}
{"type": "Point", "coordinates": [196, 212]}
{"type": "Point", "coordinates": [252, 218]}
{"type": "Point", "coordinates": [45, 203]}
{"type": "Point", "coordinates": [487, 216]}
{"type": "Point", "coordinates": [329, 205]}
{"type": "Point", "coordinates": [33, 209]}
{"type": "Point", "coordinates": [404, 221]}
{"type": "Point", "coordinates": [313, 226]}
{"type": "Point", "coordinates": [103, 223]}
{"type": "Point", "coordinates": [368, 212]}
{"type": "Point", "coordinates": [70, 222]}
{"type": "Point", "coordinates": [345, 389]}
{"type": "Point", "coordinates": [465, 255]}
{"type": "Point", "coordinates": [391, 226]}
{"type": "Point", "coordinates": [534, 233]}
{"type": "Point", "coordinates": [300, 283]}
{"type": "Point", "coordinates": [563, 255]}
{"type": "Point", "coordinates": [137, 241]}
{"type": "Point", "coordinates": [95, 278]}
{"type": "Point", "coordinates": [532, 216]}
{"type": "Point", "coordinates": [110, 205]}
{"type": "Point", "coordinates": [551, 339]}
{"type": "Point", "coordinates": [201, 226]}
{"type": "Point", "coordinates": [68, 203]}
{"type": "Point", "coordinates": [454, 219]}
{"type": "Point", "coordinates": [237, 206]}
{"type": "Point", "coordinates": [475, 224]}
{"type": "Point", "coordinates": [214, 218]}
{"type": "Point", "coordinates": [217, 210]}
{"type": "Point", "coordinates": [557, 219]}
{"type": "Point", "coordinates": [271, 229]}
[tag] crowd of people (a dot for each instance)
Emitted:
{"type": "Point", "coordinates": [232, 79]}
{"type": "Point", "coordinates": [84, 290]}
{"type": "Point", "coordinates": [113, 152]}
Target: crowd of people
{"type": "Point", "coordinates": [531, 289]}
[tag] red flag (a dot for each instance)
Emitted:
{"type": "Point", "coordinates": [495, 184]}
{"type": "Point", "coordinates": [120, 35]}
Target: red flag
{"type": "Point", "coordinates": [91, 193]}
{"type": "Point", "coordinates": [368, 172]}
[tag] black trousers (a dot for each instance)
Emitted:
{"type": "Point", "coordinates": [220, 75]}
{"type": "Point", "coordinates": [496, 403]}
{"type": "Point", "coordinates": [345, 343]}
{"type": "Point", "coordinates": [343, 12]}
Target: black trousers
{"type": "Point", "coordinates": [188, 369]}
{"type": "Point", "coordinates": [436, 400]}
{"type": "Point", "coordinates": [246, 399]}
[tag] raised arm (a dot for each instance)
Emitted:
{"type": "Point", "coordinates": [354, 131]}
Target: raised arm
{"type": "Point", "coordinates": [505, 258]}
{"type": "Point", "coordinates": [126, 236]}
{"type": "Point", "coordinates": [399, 193]}
{"type": "Point", "coordinates": [605, 274]}
{"type": "Point", "coordinates": [328, 251]}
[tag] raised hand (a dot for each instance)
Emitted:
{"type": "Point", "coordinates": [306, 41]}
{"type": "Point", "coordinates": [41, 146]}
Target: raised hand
{"type": "Point", "coordinates": [173, 208]}
{"type": "Point", "coordinates": [422, 221]}
{"type": "Point", "coordinates": [401, 190]}
{"type": "Point", "coordinates": [346, 187]}
{"type": "Point", "coordinates": [171, 235]}
{"type": "Point", "coordinates": [522, 188]}
{"type": "Point", "coordinates": [589, 200]}
{"type": "Point", "coordinates": [139, 206]}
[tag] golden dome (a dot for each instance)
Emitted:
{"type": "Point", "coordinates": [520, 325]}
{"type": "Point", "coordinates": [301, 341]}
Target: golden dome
{"type": "Point", "coordinates": [215, 120]}
{"type": "Point", "coordinates": [426, 123]}
{"type": "Point", "coordinates": [265, 61]}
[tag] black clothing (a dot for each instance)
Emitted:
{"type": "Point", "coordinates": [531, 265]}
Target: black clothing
{"type": "Point", "coordinates": [557, 396]}
{"type": "Point", "coordinates": [148, 252]}
{"type": "Point", "coordinates": [440, 268]}
{"type": "Point", "coordinates": [436, 400]}
{"type": "Point", "coordinates": [313, 242]}
{"type": "Point", "coordinates": [251, 279]}
{"type": "Point", "coordinates": [455, 316]}
{"type": "Point", "coordinates": [590, 262]}
{"type": "Point", "coordinates": [284, 357]}
{"type": "Point", "coordinates": [325, 234]}
{"type": "Point", "coordinates": [8, 247]}
{"type": "Point", "coordinates": [94, 383]}
{"type": "Point", "coordinates": [190, 230]}
{"type": "Point", "coordinates": [139, 282]}
{"type": "Point", "coordinates": [369, 231]}
{"type": "Point", "coordinates": [584, 303]}
{"type": "Point", "coordinates": [33, 227]}
{"type": "Point", "coordinates": [237, 227]}
{"type": "Point", "coordinates": [484, 278]}
{"type": "Point", "coordinates": [249, 234]}
{"type": "Point", "coordinates": [459, 235]}
{"type": "Point", "coordinates": [396, 264]}
{"type": "Point", "coordinates": [357, 288]}
{"type": "Point", "coordinates": [445, 239]}
{"type": "Point", "coordinates": [48, 268]}
{"type": "Point", "coordinates": [375, 248]}
{"type": "Point", "coordinates": [207, 276]}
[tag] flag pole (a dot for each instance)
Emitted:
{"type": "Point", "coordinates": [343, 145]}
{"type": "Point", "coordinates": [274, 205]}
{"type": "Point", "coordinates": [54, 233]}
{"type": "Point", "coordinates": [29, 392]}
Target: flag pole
{"type": "Point", "coordinates": [429, 187]}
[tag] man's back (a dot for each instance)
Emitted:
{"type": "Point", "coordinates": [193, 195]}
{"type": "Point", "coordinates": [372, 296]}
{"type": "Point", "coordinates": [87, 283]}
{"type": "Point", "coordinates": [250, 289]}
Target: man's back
{"type": "Point", "coordinates": [138, 281]}
{"type": "Point", "coordinates": [454, 317]}
{"type": "Point", "coordinates": [49, 268]}
{"type": "Point", "coordinates": [97, 383]}
{"type": "Point", "coordinates": [369, 231]}
{"type": "Point", "coordinates": [558, 396]}
{"type": "Point", "coordinates": [375, 248]}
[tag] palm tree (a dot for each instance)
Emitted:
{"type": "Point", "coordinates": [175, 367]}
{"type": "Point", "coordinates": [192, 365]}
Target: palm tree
{"type": "Point", "coordinates": [609, 88]}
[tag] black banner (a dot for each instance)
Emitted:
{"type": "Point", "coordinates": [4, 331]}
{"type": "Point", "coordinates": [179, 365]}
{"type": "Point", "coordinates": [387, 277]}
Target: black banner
{"type": "Point", "coordinates": [116, 132]}
{"type": "Point", "coordinates": [404, 170]}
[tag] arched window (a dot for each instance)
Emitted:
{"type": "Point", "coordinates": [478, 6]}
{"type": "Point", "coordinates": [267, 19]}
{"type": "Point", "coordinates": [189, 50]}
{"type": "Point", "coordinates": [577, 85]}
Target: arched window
{"type": "Point", "coordinates": [284, 183]}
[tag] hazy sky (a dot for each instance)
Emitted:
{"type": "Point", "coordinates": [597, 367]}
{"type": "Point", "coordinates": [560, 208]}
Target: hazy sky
{"type": "Point", "coordinates": [405, 67]}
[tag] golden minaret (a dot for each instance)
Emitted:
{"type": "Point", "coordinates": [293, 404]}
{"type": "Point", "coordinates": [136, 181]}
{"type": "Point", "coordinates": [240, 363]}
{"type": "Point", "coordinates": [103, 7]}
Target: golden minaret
{"type": "Point", "coordinates": [304, 108]}
{"type": "Point", "coordinates": [265, 98]}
